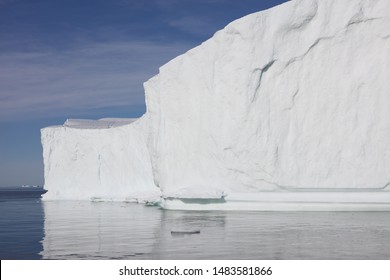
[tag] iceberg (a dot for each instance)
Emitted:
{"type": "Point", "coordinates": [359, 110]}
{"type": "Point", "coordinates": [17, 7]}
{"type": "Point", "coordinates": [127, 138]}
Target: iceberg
{"type": "Point", "coordinates": [98, 160]}
{"type": "Point", "coordinates": [282, 109]}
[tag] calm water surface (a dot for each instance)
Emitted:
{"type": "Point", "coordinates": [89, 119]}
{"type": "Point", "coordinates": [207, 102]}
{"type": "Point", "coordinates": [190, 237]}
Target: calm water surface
{"type": "Point", "coordinates": [32, 229]}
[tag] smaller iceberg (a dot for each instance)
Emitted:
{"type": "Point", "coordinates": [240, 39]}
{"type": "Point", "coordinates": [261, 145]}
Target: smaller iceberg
{"type": "Point", "coordinates": [98, 160]}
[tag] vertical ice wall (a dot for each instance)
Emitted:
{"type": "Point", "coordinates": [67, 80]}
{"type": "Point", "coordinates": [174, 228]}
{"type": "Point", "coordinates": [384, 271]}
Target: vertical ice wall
{"type": "Point", "coordinates": [293, 97]}
{"type": "Point", "coordinates": [98, 160]}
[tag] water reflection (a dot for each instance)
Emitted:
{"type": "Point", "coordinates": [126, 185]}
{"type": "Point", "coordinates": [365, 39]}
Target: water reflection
{"type": "Point", "coordinates": [99, 230]}
{"type": "Point", "coordinates": [206, 244]}
{"type": "Point", "coordinates": [275, 235]}
{"type": "Point", "coordinates": [86, 230]}
{"type": "Point", "coordinates": [21, 228]}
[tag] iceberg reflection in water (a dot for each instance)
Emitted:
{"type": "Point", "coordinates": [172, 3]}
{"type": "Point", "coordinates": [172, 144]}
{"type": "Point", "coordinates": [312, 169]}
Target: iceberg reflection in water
{"type": "Point", "coordinates": [98, 230]}
{"type": "Point", "coordinates": [104, 230]}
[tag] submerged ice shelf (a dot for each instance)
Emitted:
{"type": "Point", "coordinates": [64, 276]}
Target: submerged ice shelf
{"type": "Point", "coordinates": [282, 109]}
{"type": "Point", "coordinates": [322, 200]}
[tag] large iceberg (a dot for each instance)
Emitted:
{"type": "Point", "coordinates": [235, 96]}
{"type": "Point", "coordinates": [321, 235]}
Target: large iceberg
{"type": "Point", "coordinates": [289, 105]}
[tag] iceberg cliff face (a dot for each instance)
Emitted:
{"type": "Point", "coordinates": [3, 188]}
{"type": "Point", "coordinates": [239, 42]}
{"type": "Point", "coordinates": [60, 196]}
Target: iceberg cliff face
{"type": "Point", "coordinates": [295, 97]}
{"type": "Point", "coordinates": [98, 160]}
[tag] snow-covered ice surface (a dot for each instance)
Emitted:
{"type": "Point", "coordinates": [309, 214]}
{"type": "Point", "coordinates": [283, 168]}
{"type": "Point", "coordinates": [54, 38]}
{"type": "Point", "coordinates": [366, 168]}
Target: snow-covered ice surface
{"type": "Point", "coordinates": [293, 100]}
{"type": "Point", "coordinates": [97, 124]}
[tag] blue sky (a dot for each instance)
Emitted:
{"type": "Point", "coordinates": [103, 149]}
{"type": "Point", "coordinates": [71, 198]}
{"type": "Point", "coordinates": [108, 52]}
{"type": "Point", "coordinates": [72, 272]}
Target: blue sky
{"type": "Point", "coordinates": [88, 59]}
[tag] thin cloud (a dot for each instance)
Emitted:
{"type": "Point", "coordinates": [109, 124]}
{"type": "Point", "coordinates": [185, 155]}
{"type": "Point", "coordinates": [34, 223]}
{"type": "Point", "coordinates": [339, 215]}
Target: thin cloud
{"type": "Point", "coordinates": [195, 25]}
{"type": "Point", "coordinates": [96, 75]}
{"type": "Point", "coordinates": [6, 1]}
{"type": "Point", "coordinates": [168, 4]}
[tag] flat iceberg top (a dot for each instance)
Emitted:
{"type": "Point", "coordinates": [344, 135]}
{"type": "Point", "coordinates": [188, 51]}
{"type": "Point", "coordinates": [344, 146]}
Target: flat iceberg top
{"type": "Point", "coordinates": [98, 124]}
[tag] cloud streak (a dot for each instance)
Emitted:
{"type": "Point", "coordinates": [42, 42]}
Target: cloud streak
{"type": "Point", "coordinates": [197, 25]}
{"type": "Point", "coordinates": [94, 75]}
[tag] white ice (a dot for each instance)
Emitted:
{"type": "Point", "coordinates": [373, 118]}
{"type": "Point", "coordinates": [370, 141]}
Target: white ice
{"type": "Point", "coordinates": [98, 160]}
{"type": "Point", "coordinates": [295, 97]}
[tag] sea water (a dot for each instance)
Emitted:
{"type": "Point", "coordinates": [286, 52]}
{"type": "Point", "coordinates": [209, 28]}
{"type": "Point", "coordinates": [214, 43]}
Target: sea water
{"type": "Point", "coordinates": [35, 229]}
